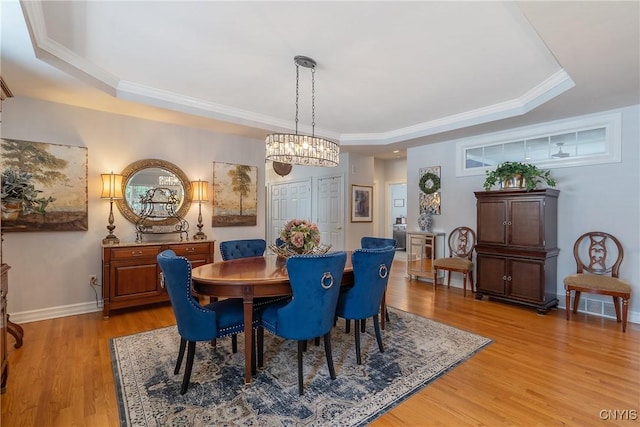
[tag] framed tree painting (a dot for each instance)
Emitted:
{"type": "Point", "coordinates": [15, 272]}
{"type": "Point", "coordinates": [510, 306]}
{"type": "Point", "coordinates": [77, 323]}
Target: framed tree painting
{"type": "Point", "coordinates": [361, 203]}
{"type": "Point", "coordinates": [57, 174]}
{"type": "Point", "coordinates": [235, 195]}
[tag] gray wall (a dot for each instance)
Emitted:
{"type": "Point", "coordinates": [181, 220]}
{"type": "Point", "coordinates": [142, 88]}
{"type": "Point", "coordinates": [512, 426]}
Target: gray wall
{"type": "Point", "coordinates": [599, 197]}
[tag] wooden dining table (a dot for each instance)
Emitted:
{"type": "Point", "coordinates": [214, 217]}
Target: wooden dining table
{"type": "Point", "coordinates": [250, 278]}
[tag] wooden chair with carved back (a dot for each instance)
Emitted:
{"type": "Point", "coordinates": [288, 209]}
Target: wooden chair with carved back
{"type": "Point", "coordinates": [598, 257]}
{"type": "Point", "coordinates": [462, 241]}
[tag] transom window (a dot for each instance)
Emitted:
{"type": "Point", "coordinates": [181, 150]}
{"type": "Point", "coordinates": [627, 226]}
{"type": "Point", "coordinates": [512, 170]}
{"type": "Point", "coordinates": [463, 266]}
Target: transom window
{"type": "Point", "coordinates": [588, 140]}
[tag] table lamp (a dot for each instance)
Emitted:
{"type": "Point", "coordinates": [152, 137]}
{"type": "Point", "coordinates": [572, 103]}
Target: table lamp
{"type": "Point", "coordinates": [199, 194]}
{"type": "Point", "coordinates": [112, 190]}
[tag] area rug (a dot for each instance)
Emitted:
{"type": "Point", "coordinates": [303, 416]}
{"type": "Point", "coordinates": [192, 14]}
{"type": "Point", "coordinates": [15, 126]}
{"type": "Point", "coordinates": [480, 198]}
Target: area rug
{"type": "Point", "coordinates": [417, 351]}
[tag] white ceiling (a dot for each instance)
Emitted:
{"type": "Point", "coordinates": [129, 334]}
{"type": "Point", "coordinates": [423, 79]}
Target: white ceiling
{"type": "Point", "coordinates": [390, 75]}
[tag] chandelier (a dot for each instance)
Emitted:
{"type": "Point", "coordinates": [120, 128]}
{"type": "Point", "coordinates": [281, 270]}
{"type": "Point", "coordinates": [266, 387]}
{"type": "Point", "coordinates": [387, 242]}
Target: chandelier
{"type": "Point", "coordinates": [303, 149]}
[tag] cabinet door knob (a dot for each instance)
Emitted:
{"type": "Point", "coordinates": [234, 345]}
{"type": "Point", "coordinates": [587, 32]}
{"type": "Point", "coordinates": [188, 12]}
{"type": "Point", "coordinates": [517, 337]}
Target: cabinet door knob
{"type": "Point", "coordinates": [509, 278]}
{"type": "Point", "coordinates": [136, 253]}
{"type": "Point", "coordinates": [504, 222]}
{"type": "Point", "coordinates": [509, 223]}
{"type": "Point", "coordinates": [190, 249]}
{"type": "Point", "coordinates": [504, 277]}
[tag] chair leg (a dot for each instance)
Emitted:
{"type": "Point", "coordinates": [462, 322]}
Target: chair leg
{"type": "Point", "coordinates": [316, 341]}
{"type": "Point", "coordinates": [300, 351]}
{"type": "Point", "coordinates": [383, 310]}
{"type": "Point", "coordinates": [625, 312]}
{"type": "Point", "coordinates": [576, 301]}
{"type": "Point", "coordinates": [448, 279]}
{"type": "Point", "coordinates": [616, 305]}
{"type": "Point", "coordinates": [376, 327]}
{"type": "Point", "coordinates": [363, 325]}
{"type": "Point", "coordinates": [356, 328]}
{"type": "Point", "coordinates": [260, 345]}
{"type": "Point", "coordinates": [464, 284]}
{"type": "Point", "coordinates": [347, 326]}
{"type": "Point", "coordinates": [234, 343]}
{"type": "Point", "coordinates": [471, 281]}
{"type": "Point", "coordinates": [567, 302]}
{"type": "Point", "coordinates": [183, 344]}
{"type": "Point", "coordinates": [329, 355]}
{"type": "Point", "coordinates": [191, 352]}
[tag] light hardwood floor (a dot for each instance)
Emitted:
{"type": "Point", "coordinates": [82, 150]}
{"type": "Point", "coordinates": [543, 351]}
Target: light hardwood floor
{"type": "Point", "coordinates": [539, 370]}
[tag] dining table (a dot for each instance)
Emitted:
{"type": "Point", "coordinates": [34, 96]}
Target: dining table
{"type": "Point", "coordinates": [249, 279]}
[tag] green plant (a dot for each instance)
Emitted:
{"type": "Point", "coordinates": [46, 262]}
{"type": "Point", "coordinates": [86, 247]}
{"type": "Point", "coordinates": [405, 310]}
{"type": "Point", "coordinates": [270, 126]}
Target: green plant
{"type": "Point", "coordinates": [18, 187]}
{"type": "Point", "coordinates": [507, 170]}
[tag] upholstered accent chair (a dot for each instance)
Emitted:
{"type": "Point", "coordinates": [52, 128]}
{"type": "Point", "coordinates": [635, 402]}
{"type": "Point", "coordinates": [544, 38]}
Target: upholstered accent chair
{"type": "Point", "coordinates": [462, 242]}
{"type": "Point", "coordinates": [234, 249]}
{"type": "Point", "coordinates": [315, 284]}
{"type": "Point", "coordinates": [371, 268]}
{"type": "Point", "coordinates": [598, 257]}
{"type": "Point", "coordinates": [195, 322]}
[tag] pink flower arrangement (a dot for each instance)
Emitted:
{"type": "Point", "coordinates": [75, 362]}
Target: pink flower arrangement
{"type": "Point", "coordinates": [300, 235]}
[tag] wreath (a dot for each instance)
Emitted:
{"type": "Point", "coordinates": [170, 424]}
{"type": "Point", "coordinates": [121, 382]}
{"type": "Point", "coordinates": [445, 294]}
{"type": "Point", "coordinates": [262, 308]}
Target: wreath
{"type": "Point", "coordinates": [429, 183]}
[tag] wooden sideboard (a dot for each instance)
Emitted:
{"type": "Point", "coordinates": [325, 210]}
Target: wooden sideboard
{"type": "Point", "coordinates": [131, 275]}
{"type": "Point", "coordinates": [516, 250]}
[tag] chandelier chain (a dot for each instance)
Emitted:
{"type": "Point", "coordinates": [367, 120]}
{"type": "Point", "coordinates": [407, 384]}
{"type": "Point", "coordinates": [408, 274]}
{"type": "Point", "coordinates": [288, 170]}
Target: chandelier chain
{"type": "Point", "coordinates": [313, 101]}
{"type": "Point", "coordinates": [297, 93]}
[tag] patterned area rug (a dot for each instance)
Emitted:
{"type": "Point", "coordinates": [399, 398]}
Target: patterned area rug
{"type": "Point", "coordinates": [417, 351]}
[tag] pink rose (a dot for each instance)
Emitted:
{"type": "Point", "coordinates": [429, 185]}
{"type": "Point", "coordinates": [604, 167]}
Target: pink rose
{"type": "Point", "coordinates": [297, 239]}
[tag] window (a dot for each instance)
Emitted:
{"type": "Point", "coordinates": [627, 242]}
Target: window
{"type": "Point", "coordinates": [580, 141]}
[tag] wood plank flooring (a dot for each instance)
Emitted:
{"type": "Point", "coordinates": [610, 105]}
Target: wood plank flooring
{"type": "Point", "coordinates": [540, 370]}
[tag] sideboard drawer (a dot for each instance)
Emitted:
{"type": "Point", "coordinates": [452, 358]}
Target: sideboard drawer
{"type": "Point", "coordinates": [190, 249]}
{"type": "Point", "coordinates": [135, 252]}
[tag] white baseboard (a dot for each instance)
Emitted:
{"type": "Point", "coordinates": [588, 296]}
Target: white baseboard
{"type": "Point", "coordinates": [55, 312]}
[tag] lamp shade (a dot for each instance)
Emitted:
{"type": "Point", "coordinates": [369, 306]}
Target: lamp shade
{"type": "Point", "coordinates": [199, 191]}
{"type": "Point", "coordinates": [111, 186]}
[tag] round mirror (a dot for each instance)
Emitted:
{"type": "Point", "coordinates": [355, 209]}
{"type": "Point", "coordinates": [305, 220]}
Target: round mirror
{"type": "Point", "coordinates": [144, 176]}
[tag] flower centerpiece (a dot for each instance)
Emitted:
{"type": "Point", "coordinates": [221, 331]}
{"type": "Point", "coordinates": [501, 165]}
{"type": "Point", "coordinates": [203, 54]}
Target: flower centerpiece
{"type": "Point", "coordinates": [299, 236]}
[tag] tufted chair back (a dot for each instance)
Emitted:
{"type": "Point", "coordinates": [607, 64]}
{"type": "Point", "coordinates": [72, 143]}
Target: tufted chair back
{"type": "Point", "coordinates": [315, 283]}
{"type": "Point", "coordinates": [195, 322]}
{"type": "Point", "coordinates": [234, 249]}
{"type": "Point", "coordinates": [311, 311]}
{"type": "Point", "coordinates": [377, 242]}
{"type": "Point", "coordinates": [371, 268]}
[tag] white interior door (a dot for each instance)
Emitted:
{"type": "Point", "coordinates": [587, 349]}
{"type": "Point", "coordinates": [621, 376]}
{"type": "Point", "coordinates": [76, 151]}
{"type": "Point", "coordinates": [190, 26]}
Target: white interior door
{"type": "Point", "coordinates": [288, 200]}
{"type": "Point", "coordinates": [330, 211]}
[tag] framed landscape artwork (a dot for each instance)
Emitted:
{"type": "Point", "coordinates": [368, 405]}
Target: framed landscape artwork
{"type": "Point", "coordinates": [361, 203]}
{"type": "Point", "coordinates": [58, 173]}
{"type": "Point", "coordinates": [235, 195]}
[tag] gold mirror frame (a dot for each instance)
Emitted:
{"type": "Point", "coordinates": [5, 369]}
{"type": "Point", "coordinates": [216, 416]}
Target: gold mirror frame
{"type": "Point", "coordinates": [140, 165]}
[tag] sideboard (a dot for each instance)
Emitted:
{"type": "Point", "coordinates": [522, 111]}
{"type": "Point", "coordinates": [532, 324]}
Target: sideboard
{"type": "Point", "coordinates": [131, 275]}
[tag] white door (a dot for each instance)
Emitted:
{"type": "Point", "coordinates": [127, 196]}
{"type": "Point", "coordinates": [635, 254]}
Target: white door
{"type": "Point", "coordinates": [330, 211]}
{"type": "Point", "coordinates": [288, 200]}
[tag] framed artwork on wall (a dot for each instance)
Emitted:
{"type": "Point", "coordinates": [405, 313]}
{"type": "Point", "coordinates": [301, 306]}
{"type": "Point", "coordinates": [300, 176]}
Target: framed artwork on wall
{"type": "Point", "coordinates": [235, 195]}
{"type": "Point", "coordinates": [57, 177]}
{"type": "Point", "coordinates": [361, 203]}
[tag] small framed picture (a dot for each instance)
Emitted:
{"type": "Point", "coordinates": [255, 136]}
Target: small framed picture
{"type": "Point", "coordinates": [361, 203]}
{"type": "Point", "coordinates": [398, 203]}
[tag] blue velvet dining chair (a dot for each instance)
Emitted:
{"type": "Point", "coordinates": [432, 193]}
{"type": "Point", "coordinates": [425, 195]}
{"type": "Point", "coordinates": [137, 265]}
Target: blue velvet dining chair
{"type": "Point", "coordinates": [315, 284]}
{"type": "Point", "coordinates": [376, 243]}
{"type": "Point", "coordinates": [195, 322]}
{"type": "Point", "coordinates": [371, 268]}
{"type": "Point", "coordinates": [234, 249]}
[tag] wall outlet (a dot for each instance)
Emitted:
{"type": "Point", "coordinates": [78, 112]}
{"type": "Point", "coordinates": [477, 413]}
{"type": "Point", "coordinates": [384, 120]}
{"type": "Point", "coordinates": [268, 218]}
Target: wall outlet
{"type": "Point", "coordinates": [93, 280]}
